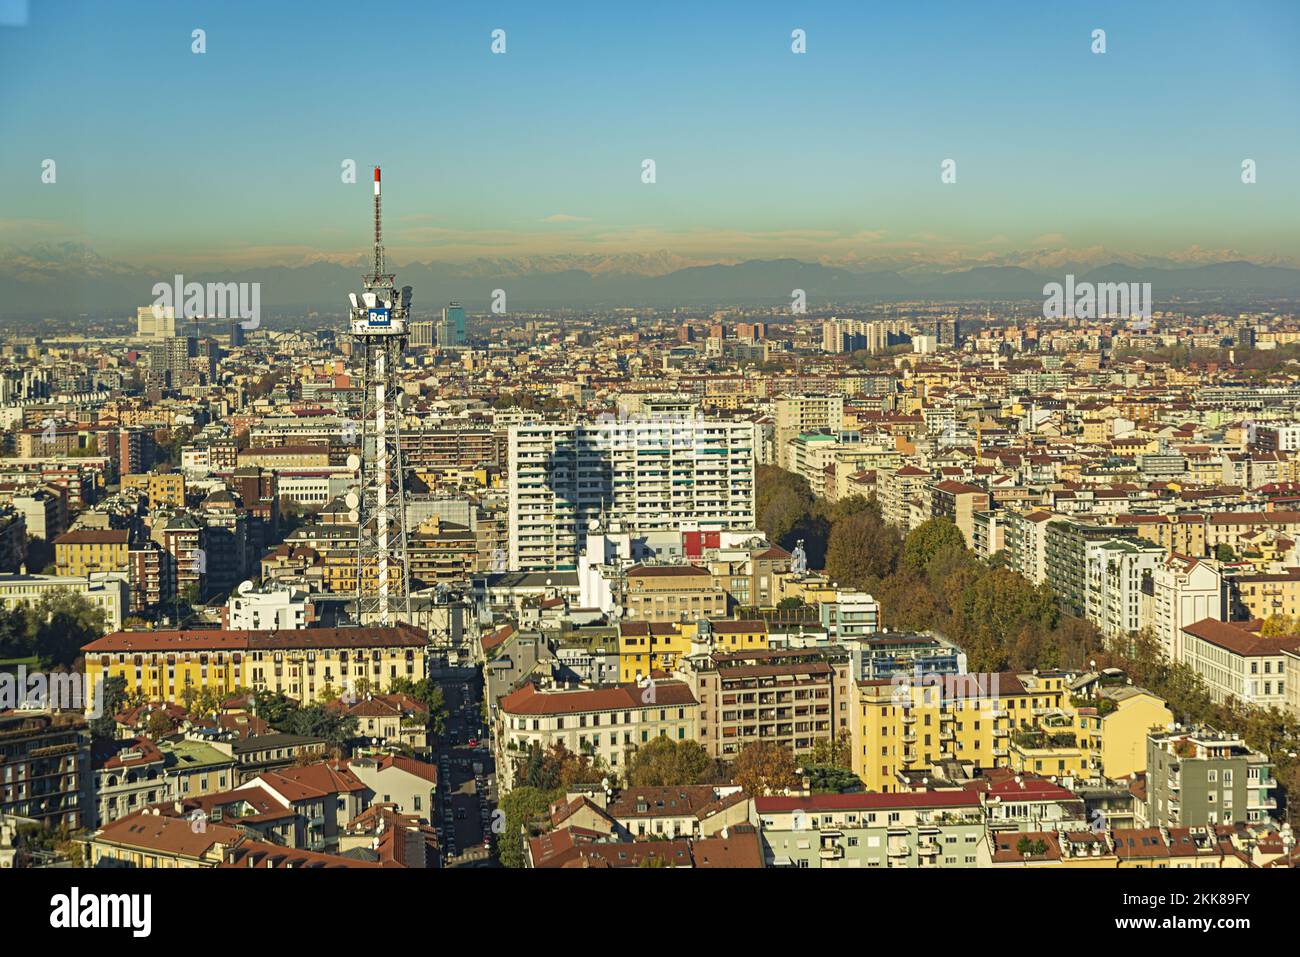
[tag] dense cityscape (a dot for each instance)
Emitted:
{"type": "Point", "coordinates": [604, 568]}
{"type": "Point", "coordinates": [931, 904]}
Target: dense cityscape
{"type": "Point", "coordinates": [342, 532]}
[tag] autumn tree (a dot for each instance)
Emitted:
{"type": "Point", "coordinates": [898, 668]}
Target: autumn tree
{"type": "Point", "coordinates": [861, 548]}
{"type": "Point", "coordinates": [765, 767]}
{"type": "Point", "coordinates": [667, 763]}
{"type": "Point", "coordinates": [927, 539]}
{"type": "Point", "coordinates": [1278, 626]}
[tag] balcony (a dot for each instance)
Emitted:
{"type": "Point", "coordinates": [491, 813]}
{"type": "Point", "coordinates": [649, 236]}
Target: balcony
{"type": "Point", "coordinates": [897, 851]}
{"type": "Point", "coordinates": [831, 852]}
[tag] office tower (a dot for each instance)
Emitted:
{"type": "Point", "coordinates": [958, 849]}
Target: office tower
{"type": "Point", "coordinates": [451, 327]}
{"type": "Point", "coordinates": [651, 473]}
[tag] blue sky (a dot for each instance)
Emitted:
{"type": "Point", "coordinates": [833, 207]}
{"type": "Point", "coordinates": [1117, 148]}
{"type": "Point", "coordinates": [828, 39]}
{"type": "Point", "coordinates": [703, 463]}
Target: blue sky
{"type": "Point", "coordinates": [234, 156]}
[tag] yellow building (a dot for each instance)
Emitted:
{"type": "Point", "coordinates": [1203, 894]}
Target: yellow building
{"type": "Point", "coordinates": [147, 839]}
{"type": "Point", "coordinates": [301, 663]}
{"type": "Point", "coordinates": [736, 635]}
{"type": "Point", "coordinates": [159, 488]}
{"type": "Point", "coordinates": [1026, 722]}
{"type": "Point", "coordinates": [902, 725]}
{"type": "Point", "coordinates": [645, 647]}
{"type": "Point", "coordinates": [77, 554]}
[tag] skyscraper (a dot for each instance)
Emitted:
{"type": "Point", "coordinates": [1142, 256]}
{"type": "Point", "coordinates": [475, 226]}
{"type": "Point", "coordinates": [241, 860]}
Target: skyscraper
{"type": "Point", "coordinates": [451, 327]}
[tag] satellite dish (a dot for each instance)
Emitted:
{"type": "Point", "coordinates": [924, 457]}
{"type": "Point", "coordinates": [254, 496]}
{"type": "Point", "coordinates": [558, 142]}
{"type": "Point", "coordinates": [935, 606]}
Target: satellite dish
{"type": "Point", "coordinates": [401, 400]}
{"type": "Point", "coordinates": [352, 297]}
{"type": "Point", "coordinates": [354, 462]}
{"type": "Point", "coordinates": [354, 516]}
{"type": "Point", "coordinates": [352, 500]}
{"type": "Point", "coordinates": [245, 587]}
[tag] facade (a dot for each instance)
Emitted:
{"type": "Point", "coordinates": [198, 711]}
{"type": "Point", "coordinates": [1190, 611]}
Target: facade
{"type": "Point", "coordinates": [792, 697]}
{"type": "Point", "coordinates": [1184, 590]}
{"type": "Point", "coordinates": [79, 553]}
{"type": "Point", "coordinates": [852, 615]}
{"type": "Point", "coordinates": [799, 414]}
{"type": "Point", "coordinates": [305, 664]}
{"type": "Point", "coordinates": [673, 593]}
{"type": "Point", "coordinates": [1066, 559]}
{"type": "Point", "coordinates": [45, 763]}
{"type": "Point", "coordinates": [1202, 777]}
{"type": "Point", "coordinates": [958, 502]}
{"type": "Point", "coordinates": [1119, 572]}
{"type": "Point", "coordinates": [921, 830]}
{"type": "Point", "coordinates": [603, 723]}
{"type": "Point", "coordinates": [109, 593]}
{"type": "Point", "coordinates": [273, 608]}
{"type": "Point", "coordinates": [1236, 663]}
{"type": "Point", "coordinates": [648, 475]}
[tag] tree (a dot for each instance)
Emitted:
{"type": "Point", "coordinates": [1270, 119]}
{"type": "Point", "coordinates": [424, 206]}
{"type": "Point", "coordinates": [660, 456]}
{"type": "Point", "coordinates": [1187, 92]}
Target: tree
{"type": "Point", "coordinates": [828, 779]}
{"type": "Point", "coordinates": [317, 721]}
{"type": "Point", "coordinates": [525, 810]}
{"type": "Point", "coordinates": [1278, 626]}
{"type": "Point", "coordinates": [861, 547]}
{"type": "Point", "coordinates": [428, 693]}
{"type": "Point", "coordinates": [668, 763]}
{"type": "Point", "coordinates": [558, 767]}
{"type": "Point", "coordinates": [158, 725]}
{"type": "Point", "coordinates": [115, 698]}
{"type": "Point", "coordinates": [782, 500]}
{"type": "Point", "coordinates": [60, 624]}
{"type": "Point", "coordinates": [836, 751]}
{"type": "Point", "coordinates": [927, 539]}
{"type": "Point", "coordinates": [765, 767]}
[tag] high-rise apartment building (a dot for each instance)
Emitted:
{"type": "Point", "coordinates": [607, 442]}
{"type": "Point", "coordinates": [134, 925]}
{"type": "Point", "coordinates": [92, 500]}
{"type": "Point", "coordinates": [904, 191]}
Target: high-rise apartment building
{"type": "Point", "coordinates": [796, 414]}
{"type": "Point", "coordinates": [646, 474]}
{"type": "Point", "coordinates": [155, 322]}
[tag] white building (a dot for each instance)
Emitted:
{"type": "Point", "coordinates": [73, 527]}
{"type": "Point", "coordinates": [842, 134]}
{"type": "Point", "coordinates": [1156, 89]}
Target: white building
{"type": "Point", "coordinates": [1184, 591]}
{"type": "Point", "coordinates": [107, 591]}
{"type": "Point", "coordinates": [155, 322]}
{"type": "Point", "coordinates": [649, 475]}
{"type": "Point", "coordinates": [277, 608]}
{"type": "Point", "coordinates": [853, 614]}
{"type": "Point", "coordinates": [313, 487]}
{"type": "Point", "coordinates": [1116, 569]}
{"type": "Point", "coordinates": [1235, 662]}
{"type": "Point", "coordinates": [603, 723]}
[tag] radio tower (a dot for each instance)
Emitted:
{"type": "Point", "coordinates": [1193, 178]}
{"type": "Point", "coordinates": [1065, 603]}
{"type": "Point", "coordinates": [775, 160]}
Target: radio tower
{"type": "Point", "coordinates": [378, 323]}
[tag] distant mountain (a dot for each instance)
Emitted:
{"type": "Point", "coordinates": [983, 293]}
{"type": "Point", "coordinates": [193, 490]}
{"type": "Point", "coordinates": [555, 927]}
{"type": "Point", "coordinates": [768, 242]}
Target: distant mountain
{"type": "Point", "coordinates": [63, 279]}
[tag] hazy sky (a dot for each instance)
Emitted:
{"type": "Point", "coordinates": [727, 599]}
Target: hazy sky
{"type": "Point", "coordinates": [234, 156]}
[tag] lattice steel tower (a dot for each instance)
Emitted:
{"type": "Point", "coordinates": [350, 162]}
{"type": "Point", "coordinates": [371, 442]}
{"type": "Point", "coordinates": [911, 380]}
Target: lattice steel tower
{"type": "Point", "coordinates": [377, 321]}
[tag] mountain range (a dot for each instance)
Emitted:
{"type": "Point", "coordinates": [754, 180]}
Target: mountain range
{"type": "Point", "coordinates": [72, 279]}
